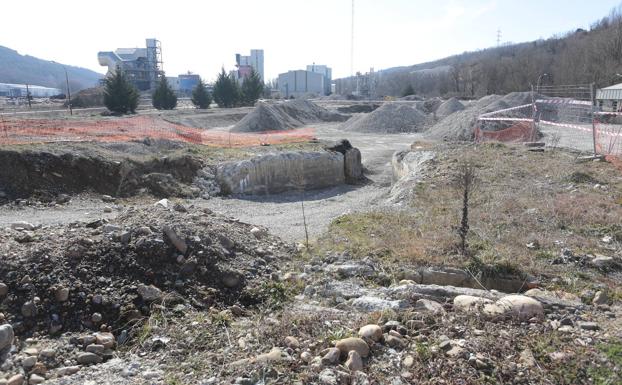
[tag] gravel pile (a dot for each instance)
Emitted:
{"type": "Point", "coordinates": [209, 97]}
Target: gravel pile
{"type": "Point", "coordinates": [285, 116]}
{"type": "Point", "coordinates": [85, 275]}
{"type": "Point", "coordinates": [460, 125]}
{"type": "Point", "coordinates": [389, 118]}
{"type": "Point", "coordinates": [449, 107]}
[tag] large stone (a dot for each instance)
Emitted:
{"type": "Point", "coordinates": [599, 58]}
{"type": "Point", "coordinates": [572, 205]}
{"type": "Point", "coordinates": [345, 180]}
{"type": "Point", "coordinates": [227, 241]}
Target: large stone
{"type": "Point", "coordinates": [552, 296]}
{"type": "Point", "coordinates": [61, 294]}
{"type": "Point", "coordinates": [275, 355]}
{"type": "Point", "coordinates": [89, 358]}
{"type": "Point", "coordinates": [372, 332]}
{"type": "Point", "coordinates": [106, 339]}
{"type": "Point", "coordinates": [519, 306]}
{"type": "Point", "coordinates": [353, 166]}
{"type": "Point", "coordinates": [274, 173]}
{"type": "Point", "coordinates": [17, 379]}
{"type": "Point", "coordinates": [470, 302]}
{"type": "Point", "coordinates": [369, 304]}
{"type": "Point", "coordinates": [330, 356]}
{"type": "Point", "coordinates": [6, 338]}
{"type": "Point", "coordinates": [29, 309]}
{"type": "Point", "coordinates": [600, 298]}
{"type": "Point", "coordinates": [175, 239]}
{"type": "Point", "coordinates": [428, 305]}
{"type": "Point", "coordinates": [347, 270]}
{"type": "Point", "coordinates": [4, 290]}
{"type": "Point", "coordinates": [149, 293]}
{"type": "Point", "coordinates": [353, 343]}
{"type": "Point", "coordinates": [354, 361]}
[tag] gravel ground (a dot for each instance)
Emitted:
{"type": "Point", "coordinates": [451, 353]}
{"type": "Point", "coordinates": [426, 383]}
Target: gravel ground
{"type": "Point", "coordinates": [282, 213]}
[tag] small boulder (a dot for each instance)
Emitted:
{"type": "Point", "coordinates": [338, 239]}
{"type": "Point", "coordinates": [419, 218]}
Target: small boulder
{"type": "Point", "coordinates": [106, 339]}
{"type": "Point", "coordinates": [291, 342]}
{"type": "Point", "coordinates": [372, 332]}
{"type": "Point", "coordinates": [89, 358]}
{"type": "Point", "coordinates": [469, 302]}
{"type": "Point", "coordinates": [330, 356]}
{"type": "Point", "coordinates": [149, 293]}
{"type": "Point", "coordinates": [519, 306]}
{"type": "Point", "coordinates": [61, 294]}
{"type": "Point", "coordinates": [258, 233]}
{"type": "Point", "coordinates": [346, 345]}
{"type": "Point", "coordinates": [354, 361]}
{"type": "Point", "coordinates": [4, 290]}
{"type": "Point", "coordinates": [17, 379]}
{"type": "Point", "coordinates": [600, 298]}
{"type": "Point", "coordinates": [275, 355]}
{"type": "Point", "coordinates": [6, 338]}
{"type": "Point", "coordinates": [428, 305]}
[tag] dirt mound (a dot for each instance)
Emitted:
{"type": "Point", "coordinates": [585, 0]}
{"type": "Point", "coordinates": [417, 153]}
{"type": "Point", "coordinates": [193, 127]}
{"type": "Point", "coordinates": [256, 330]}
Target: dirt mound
{"type": "Point", "coordinates": [449, 107]}
{"type": "Point", "coordinates": [358, 108]}
{"type": "Point", "coordinates": [191, 257]}
{"type": "Point", "coordinates": [89, 97]}
{"type": "Point", "coordinates": [390, 118]}
{"type": "Point", "coordinates": [285, 116]}
{"type": "Point", "coordinates": [460, 125]}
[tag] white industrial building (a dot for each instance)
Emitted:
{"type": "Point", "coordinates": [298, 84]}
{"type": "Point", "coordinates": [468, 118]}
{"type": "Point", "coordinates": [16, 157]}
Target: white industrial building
{"type": "Point", "coordinates": [21, 90]}
{"type": "Point", "coordinates": [143, 66]}
{"type": "Point", "coordinates": [610, 98]}
{"type": "Point", "coordinates": [327, 72]}
{"type": "Point", "coordinates": [301, 83]}
{"type": "Point", "coordinates": [244, 64]}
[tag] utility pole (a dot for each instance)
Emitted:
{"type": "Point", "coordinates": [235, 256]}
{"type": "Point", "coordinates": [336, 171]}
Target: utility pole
{"type": "Point", "coordinates": [68, 91]}
{"type": "Point", "coordinates": [28, 96]}
{"type": "Point", "coordinates": [498, 37]}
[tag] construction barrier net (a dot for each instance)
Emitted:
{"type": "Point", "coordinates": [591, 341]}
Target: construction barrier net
{"type": "Point", "coordinates": [24, 131]}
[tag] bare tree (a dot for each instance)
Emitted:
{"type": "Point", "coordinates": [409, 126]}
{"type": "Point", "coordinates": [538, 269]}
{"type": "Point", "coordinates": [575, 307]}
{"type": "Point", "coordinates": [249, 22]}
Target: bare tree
{"type": "Point", "coordinates": [465, 183]}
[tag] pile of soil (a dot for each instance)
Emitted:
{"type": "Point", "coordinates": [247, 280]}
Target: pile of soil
{"type": "Point", "coordinates": [89, 97]}
{"type": "Point", "coordinates": [389, 118]}
{"type": "Point", "coordinates": [285, 116]}
{"type": "Point", "coordinates": [358, 108]}
{"type": "Point", "coordinates": [191, 257]}
{"type": "Point", "coordinates": [449, 107]}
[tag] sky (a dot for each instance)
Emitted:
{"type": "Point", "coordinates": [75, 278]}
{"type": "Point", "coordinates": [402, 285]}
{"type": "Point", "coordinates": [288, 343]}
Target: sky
{"type": "Point", "coordinates": [204, 35]}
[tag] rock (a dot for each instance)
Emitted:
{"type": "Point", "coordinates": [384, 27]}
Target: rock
{"type": "Point", "coordinates": [588, 325]}
{"type": "Point", "coordinates": [291, 342]}
{"type": "Point", "coordinates": [328, 377]}
{"type": "Point", "coordinates": [394, 341]}
{"type": "Point", "coordinates": [330, 356]}
{"type": "Point", "coordinates": [61, 294]}
{"type": "Point", "coordinates": [600, 298]}
{"type": "Point", "coordinates": [179, 243]}
{"type": "Point", "coordinates": [29, 309]}
{"type": "Point", "coordinates": [109, 228]}
{"type": "Point", "coordinates": [527, 359]}
{"type": "Point", "coordinates": [347, 270]}
{"type": "Point", "coordinates": [96, 318]}
{"type": "Point", "coordinates": [29, 362]}
{"type": "Point", "coordinates": [604, 263]}
{"type": "Point", "coordinates": [17, 379]}
{"type": "Point", "coordinates": [514, 305]}
{"type": "Point", "coordinates": [428, 305]}
{"type": "Point", "coordinates": [258, 233]}
{"type": "Point", "coordinates": [307, 357]}
{"type": "Point", "coordinates": [21, 225]}
{"type": "Point", "coordinates": [552, 296]}
{"type": "Point", "coordinates": [107, 199]}
{"type": "Point", "coordinates": [470, 302]}
{"type": "Point", "coordinates": [164, 203]}
{"type": "Point", "coordinates": [353, 167]}
{"type": "Point", "coordinates": [457, 352]}
{"type": "Point", "coordinates": [149, 293]}
{"type": "Point", "coordinates": [4, 290]}
{"type": "Point", "coordinates": [409, 361]}
{"type": "Point", "coordinates": [106, 339]}
{"type": "Point", "coordinates": [372, 332]}
{"type": "Point", "coordinates": [370, 304]}
{"type": "Point", "coordinates": [354, 361]}
{"type": "Point", "coordinates": [275, 355]}
{"type": "Point", "coordinates": [6, 338]}
{"type": "Point", "coordinates": [108, 209]}
{"type": "Point", "coordinates": [67, 370]}
{"type": "Point", "coordinates": [35, 379]}
{"type": "Point", "coordinates": [89, 358]}
{"type": "Point", "coordinates": [95, 348]}
{"type": "Point", "coordinates": [353, 343]}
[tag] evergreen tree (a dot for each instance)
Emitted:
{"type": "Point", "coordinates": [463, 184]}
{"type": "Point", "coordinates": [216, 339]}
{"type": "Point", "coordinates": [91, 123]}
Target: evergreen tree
{"type": "Point", "coordinates": [226, 91]}
{"type": "Point", "coordinates": [163, 97]}
{"type": "Point", "coordinates": [200, 97]}
{"type": "Point", "coordinates": [120, 96]}
{"type": "Point", "coordinates": [409, 90]}
{"type": "Point", "coordinates": [252, 88]}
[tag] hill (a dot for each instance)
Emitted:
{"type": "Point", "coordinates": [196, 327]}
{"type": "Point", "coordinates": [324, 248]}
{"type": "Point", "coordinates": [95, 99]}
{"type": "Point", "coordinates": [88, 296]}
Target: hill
{"type": "Point", "coordinates": [577, 57]}
{"type": "Point", "coordinates": [21, 69]}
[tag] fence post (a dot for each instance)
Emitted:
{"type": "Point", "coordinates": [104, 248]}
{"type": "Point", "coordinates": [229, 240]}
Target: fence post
{"type": "Point", "coordinates": [592, 98]}
{"type": "Point", "coordinates": [533, 115]}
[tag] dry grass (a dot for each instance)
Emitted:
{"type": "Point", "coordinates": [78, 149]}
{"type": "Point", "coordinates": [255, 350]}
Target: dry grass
{"type": "Point", "coordinates": [521, 197]}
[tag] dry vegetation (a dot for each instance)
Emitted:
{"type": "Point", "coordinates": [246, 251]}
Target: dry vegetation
{"type": "Point", "coordinates": [548, 201]}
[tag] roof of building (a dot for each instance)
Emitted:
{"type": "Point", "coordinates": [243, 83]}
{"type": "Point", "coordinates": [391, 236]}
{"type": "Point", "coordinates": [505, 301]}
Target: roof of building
{"type": "Point", "coordinates": [613, 92]}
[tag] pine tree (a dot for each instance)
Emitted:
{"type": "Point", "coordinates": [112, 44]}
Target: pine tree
{"type": "Point", "coordinates": [226, 91]}
{"type": "Point", "coordinates": [164, 97]}
{"type": "Point", "coordinates": [409, 90]}
{"type": "Point", "coordinates": [200, 97]}
{"type": "Point", "coordinates": [252, 88]}
{"type": "Point", "coordinates": [120, 96]}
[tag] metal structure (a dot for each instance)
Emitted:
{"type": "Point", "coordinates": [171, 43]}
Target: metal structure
{"type": "Point", "coordinates": [143, 66]}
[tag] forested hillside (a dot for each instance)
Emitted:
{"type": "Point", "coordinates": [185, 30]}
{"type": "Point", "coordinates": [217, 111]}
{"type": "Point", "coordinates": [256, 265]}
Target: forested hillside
{"type": "Point", "coordinates": [21, 69]}
{"type": "Point", "coordinates": [581, 56]}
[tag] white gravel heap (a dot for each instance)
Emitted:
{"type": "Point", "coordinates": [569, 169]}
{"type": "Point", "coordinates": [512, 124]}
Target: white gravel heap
{"type": "Point", "coordinates": [390, 118]}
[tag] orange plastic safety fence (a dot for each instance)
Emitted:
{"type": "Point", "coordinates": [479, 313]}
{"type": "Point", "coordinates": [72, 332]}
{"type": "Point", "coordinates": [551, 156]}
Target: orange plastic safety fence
{"type": "Point", "coordinates": [24, 131]}
{"type": "Point", "coordinates": [519, 132]}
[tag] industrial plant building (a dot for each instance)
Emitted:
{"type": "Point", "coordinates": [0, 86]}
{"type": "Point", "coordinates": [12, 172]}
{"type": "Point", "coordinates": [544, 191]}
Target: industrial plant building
{"type": "Point", "coordinates": [316, 80]}
{"type": "Point", "coordinates": [244, 64]}
{"type": "Point", "coordinates": [21, 91]}
{"type": "Point", "coordinates": [184, 83]}
{"type": "Point", "coordinates": [327, 72]}
{"type": "Point", "coordinates": [301, 83]}
{"type": "Point", "coordinates": [143, 66]}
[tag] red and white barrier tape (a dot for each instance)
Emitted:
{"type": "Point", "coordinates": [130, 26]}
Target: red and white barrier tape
{"type": "Point", "coordinates": [565, 101]}
{"type": "Point", "coordinates": [506, 119]}
{"type": "Point", "coordinates": [505, 110]}
{"type": "Point", "coordinates": [608, 113]}
{"type": "Point", "coordinates": [547, 122]}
